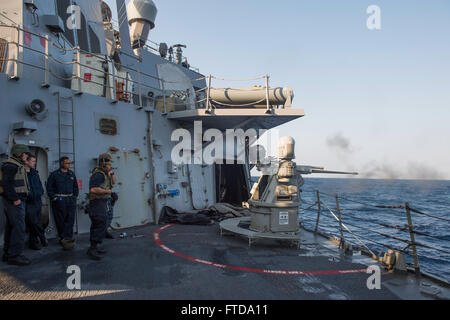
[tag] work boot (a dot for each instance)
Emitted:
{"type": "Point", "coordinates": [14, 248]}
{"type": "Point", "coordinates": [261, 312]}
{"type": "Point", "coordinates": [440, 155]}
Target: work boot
{"type": "Point", "coordinates": [92, 252]}
{"type": "Point", "coordinates": [44, 241]}
{"type": "Point", "coordinates": [35, 246]}
{"type": "Point", "coordinates": [109, 235]}
{"type": "Point", "coordinates": [68, 244]}
{"type": "Point", "coordinates": [100, 250]}
{"type": "Point", "coordinates": [18, 261]}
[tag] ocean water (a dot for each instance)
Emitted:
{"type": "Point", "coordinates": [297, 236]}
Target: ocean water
{"type": "Point", "coordinates": [430, 197]}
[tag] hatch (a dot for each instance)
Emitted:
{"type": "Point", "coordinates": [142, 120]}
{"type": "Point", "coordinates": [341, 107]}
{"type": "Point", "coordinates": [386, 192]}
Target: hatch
{"type": "Point", "coordinates": [133, 188]}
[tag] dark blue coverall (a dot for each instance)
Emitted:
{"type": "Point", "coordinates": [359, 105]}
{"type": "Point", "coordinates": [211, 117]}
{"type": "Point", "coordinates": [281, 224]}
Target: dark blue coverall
{"type": "Point", "coordinates": [62, 189]}
{"type": "Point", "coordinates": [34, 208]}
{"type": "Point", "coordinates": [15, 215]}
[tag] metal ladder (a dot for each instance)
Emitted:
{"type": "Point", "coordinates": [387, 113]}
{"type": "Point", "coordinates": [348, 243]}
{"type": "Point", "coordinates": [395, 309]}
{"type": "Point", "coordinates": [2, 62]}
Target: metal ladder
{"type": "Point", "coordinates": [62, 140]}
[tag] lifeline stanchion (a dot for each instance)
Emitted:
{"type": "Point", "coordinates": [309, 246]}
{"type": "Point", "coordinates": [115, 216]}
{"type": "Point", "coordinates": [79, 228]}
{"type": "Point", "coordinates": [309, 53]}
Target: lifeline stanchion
{"type": "Point", "coordinates": [268, 111]}
{"type": "Point", "coordinates": [17, 58]}
{"type": "Point", "coordinates": [340, 221]}
{"type": "Point", "coordinates": [374, 256]}
{"type": "Point", "coordinates": [208, 96]}
{"type": "Point", "coordinates": [413, 241]}
{"type": "Point", "coordinates": [318, 211]}
{"type": "Point", "coordinates": [79, 69]}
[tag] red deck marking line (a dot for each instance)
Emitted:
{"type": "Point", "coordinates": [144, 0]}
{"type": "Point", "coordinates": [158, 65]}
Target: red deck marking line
{"type": "Point", "coordinates": [157, 238]}
{"type": "Point", "coordinates": [165, 227]}
{"type": "Point", "coordinates": [168, 249]}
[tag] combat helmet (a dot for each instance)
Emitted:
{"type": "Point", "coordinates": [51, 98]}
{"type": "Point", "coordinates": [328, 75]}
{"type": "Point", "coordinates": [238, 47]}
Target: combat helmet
{"type": "Point", "coordinates": [19, 149]}
{"type": "Point", "coordinates": [103, 158]}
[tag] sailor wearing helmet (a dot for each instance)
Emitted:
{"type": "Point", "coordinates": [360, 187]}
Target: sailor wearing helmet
{"type": "Point", "coordinates": [15, 190]}
{"type": "Point", "coordinates": [100, 190]}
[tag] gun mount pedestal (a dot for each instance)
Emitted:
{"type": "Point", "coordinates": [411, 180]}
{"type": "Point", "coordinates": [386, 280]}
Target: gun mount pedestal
{"type": "Point", "coordinates": [241, 227]}
{"type": "Point", "coordinates": [275, 200]}
{"type": "Point", "coordinates": [275, 203]}
{"type": "Point", "coordinates": [274, 218]}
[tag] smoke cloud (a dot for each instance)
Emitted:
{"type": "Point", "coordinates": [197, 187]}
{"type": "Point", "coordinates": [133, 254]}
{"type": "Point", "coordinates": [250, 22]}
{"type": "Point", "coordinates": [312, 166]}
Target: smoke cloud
{"type": "Point", "coordinates": [340, 143]}
{"type": "Point", "coordinates": [344, 150]}
{"type": "Point", "coordinates": [413, 170]}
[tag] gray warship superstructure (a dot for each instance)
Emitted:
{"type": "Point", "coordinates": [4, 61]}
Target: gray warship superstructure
{"type": "Point", "coordinates": [75, 83]}
{"type": "Point", "coordinates": [81, 92]}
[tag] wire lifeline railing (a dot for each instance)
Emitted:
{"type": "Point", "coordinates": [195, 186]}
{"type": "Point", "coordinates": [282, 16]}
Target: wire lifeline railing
{"type": "Point", "coordinates": [140, 84]}
{"type": "Point", "coordinates": [411, 243]}
{"type": "Point", "coordinates": [210, 101]}
{"type": "Point", "coordinates": [197, 101]}
{"type": "Point", "coordinates": [148, 45]}
{"type": "Point", "coordinates": [77, 62]}
{"type": "Point", "coordinates": [398, 228]}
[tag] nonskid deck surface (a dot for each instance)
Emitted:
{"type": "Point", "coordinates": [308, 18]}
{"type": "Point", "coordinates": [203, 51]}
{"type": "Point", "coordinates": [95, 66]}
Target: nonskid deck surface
{"type": "Point", "coordinates": [196, 263]}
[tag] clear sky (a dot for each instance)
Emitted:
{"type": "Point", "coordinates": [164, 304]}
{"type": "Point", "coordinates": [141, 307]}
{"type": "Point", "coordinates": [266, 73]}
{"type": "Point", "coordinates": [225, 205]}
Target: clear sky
{"type": "Point", "coordinates": [376, 101]}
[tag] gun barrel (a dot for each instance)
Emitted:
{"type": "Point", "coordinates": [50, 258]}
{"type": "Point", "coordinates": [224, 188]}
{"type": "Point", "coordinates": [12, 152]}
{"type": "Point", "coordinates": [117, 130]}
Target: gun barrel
{"type": "Point", "coordinates": [335, 172]}
{"type": "Point", "coordinates": [308, 168]}
{"type": "Point", "coordinates": [305, 170]}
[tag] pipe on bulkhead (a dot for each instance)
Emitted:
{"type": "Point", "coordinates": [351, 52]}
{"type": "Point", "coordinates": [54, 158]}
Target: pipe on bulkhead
{"type": "Point", "coordinates": [152, 162]}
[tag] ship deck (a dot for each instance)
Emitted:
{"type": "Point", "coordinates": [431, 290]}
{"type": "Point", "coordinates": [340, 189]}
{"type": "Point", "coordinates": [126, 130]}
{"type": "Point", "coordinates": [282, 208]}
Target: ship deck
{"type": "Point", "coordinates": [180, 262]}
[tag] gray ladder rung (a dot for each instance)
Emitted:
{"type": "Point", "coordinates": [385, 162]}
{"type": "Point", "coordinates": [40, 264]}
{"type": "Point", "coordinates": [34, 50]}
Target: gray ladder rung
{"type": "Point", "coordinates": [66, 125]}
{"type": "Point", "coordinates": [66, 139]}
{"type": "Point", "coordinates": [64, 111]}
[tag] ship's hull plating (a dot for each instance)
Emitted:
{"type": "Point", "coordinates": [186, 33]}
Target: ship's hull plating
{"type": "Point", "coordinates": [129, 148]}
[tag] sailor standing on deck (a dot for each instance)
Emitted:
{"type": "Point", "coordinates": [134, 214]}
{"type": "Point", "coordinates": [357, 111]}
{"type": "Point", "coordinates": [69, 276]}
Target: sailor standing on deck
{"type": "Point", "coordinates": [100, 190]}
{"type": "Point", "coordinates": [62, 189]}
{"type": "Point", "coordinates": [15, 190]}
{"type": "Point", "coordinates": [34, 206]}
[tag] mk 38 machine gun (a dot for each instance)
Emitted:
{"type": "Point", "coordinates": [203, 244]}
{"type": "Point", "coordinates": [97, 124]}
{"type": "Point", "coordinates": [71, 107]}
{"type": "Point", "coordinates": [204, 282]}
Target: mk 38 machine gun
{"type": "Point", "coordinates": [275, 200]}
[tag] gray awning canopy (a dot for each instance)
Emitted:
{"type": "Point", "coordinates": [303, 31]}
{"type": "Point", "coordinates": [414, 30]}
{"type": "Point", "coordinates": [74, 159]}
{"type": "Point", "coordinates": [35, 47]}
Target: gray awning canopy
{"type": "Point", "coordinates": [223, 119]}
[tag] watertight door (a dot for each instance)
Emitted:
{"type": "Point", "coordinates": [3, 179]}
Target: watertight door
{"type": "Point", "coordinates": [202, 184]}
{"type": "Point", "coordinates": [134, 190]}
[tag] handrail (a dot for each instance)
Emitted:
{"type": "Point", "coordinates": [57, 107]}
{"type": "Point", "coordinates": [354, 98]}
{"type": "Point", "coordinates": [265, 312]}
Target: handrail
{"type": "Point", "coordinates": [339, 219]}
{"type": "Point", "coordinates": [81, 50]}
{"type": "Point", "coordinates": [77, 62]}
{"type": "Point", "coordinates": [209, 100]}
{"type": "Point", "coordinates": [407, 228]}
{"type": "Point", "coordinates": [116, 25]}
{"type": "Point", "coordinates": [139, 83]}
